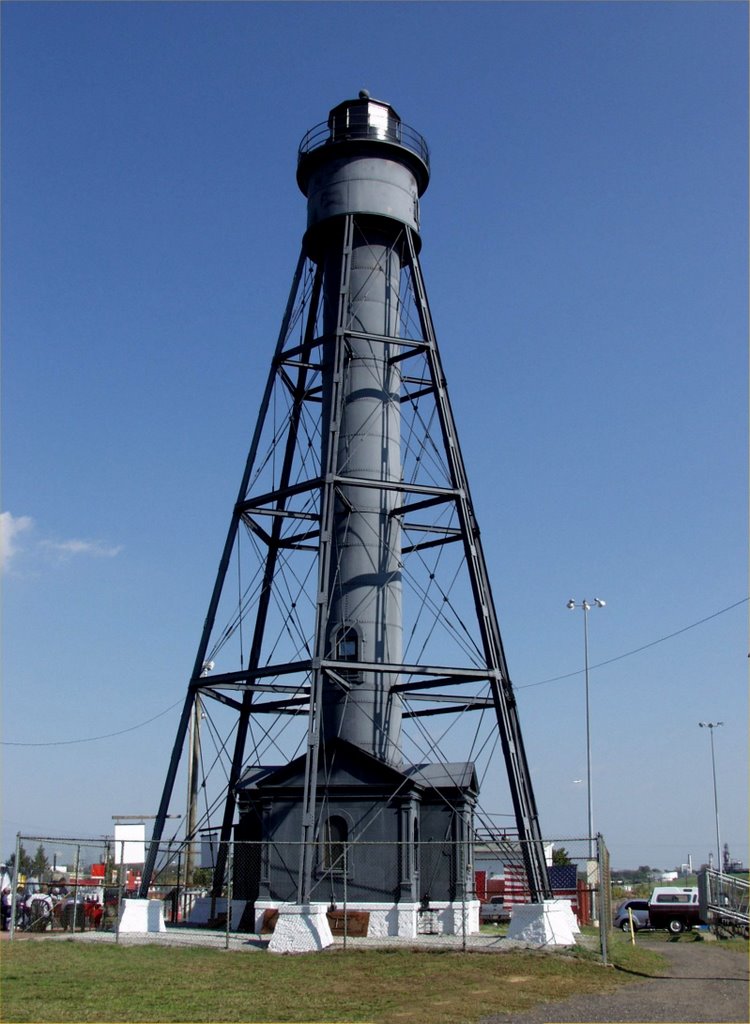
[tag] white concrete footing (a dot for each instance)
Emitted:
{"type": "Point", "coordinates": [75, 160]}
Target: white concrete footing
{"type": "Point", "coordinates": [141, 916]}
{"type": "Point", "coordinates": [302, 928]}
{"type": "Point", "coordinates": [206, 909]}
{"type": "Point", "coordinates": [551, 923]}
{"type": "Point", "coordinates": [566, 909]}
{"type": "Point", "coordinates": [405, 920]}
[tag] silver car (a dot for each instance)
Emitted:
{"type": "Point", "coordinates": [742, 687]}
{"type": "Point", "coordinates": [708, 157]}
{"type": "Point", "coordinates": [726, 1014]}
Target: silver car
{"type": "Point", "coordinates": [639, 909]}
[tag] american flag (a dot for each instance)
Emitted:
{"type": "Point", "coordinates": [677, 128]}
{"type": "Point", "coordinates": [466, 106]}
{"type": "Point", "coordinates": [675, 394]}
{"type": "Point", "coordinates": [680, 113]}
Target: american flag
{"type": "Point", "coordinates": [562, 879]}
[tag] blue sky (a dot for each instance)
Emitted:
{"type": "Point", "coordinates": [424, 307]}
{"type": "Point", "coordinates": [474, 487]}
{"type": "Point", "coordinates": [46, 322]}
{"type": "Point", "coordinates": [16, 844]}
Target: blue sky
{"type": "Point", "coordinates": [585, 254]}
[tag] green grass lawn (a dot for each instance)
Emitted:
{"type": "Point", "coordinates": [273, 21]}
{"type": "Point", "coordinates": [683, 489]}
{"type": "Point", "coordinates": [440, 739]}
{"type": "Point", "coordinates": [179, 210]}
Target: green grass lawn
{"type": "Point", "coordinates": [64, 980]}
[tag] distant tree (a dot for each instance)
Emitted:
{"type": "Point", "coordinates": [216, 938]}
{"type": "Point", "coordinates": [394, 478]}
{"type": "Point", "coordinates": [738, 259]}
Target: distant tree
{"type": "Point", "coordinates": [625, 874]}
{"type": "Point", "coordinates": [561, 856]}
{"type": "Point", "coordinates": [24, 861]}
{"type": "Point", "coordinates": [39, 864]}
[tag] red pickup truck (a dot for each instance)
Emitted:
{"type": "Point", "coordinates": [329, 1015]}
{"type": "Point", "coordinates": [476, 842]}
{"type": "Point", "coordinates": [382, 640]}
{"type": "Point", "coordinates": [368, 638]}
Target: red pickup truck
{"type": "Point", "coordinates": [673, 908]}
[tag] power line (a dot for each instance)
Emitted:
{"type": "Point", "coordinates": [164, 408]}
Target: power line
{"type": "Point", "coordinates": [92, 739]}
{"type": "Point", "coordinates": [524, 686]}
{"type": "Point", "coordinates": [636, 650]}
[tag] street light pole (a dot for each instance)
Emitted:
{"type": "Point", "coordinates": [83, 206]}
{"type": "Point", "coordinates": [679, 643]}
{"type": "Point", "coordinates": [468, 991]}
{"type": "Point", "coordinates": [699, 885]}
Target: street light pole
{"type": "Point", "coordinates": [711, 726]}
{"type": "Point", "coordinates": [586, 608]}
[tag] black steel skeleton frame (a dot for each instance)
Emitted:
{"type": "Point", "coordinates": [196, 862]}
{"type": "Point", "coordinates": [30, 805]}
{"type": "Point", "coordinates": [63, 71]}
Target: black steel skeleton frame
{"type": "Point", "coordinates": [317, 531]}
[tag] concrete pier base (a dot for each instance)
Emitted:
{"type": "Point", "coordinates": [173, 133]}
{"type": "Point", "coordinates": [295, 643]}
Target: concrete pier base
{"type": "Point", "coordinates": [141, 916]}
{"type": "Point", "coordinates": [550, 923]}
{"type": "Point", "coordinates": [205, 909]}
{"type": "Point", "coordinates": [302, 928]}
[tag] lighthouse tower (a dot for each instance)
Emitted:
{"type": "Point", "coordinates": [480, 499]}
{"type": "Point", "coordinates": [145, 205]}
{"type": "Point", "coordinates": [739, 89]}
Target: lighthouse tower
{"type": "Point", "coordinates": [352, 602]}
{"type": "Point", "coordinates": [362, 180]}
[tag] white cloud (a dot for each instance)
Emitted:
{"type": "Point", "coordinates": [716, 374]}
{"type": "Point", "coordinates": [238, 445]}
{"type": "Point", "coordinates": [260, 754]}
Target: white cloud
{"type": "Point", "coordinates": [69, 548]}
{"type": "Point", "coordinates": [10, 527]}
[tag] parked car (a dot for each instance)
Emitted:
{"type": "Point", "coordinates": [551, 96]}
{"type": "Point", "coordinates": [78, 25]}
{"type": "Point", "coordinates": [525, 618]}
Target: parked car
{"type": "Point", "coordinates": [639, 909]}
{"type": "Point", "coordinates": [494, 911]}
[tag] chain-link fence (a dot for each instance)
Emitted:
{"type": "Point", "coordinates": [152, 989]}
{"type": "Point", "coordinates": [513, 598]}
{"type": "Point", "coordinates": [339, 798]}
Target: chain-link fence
{"type": "Point", "coordinates": [87, 888]}
{"type": "Point", "coordinates": [460, 894]}
{"type": "Point", "coordinates": [605, 896]}
{"type": "Point", "coordinates": [578, 869]}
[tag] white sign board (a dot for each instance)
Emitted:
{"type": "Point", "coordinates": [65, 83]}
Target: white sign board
{"type": "Point", "coordinates": [130, 844]}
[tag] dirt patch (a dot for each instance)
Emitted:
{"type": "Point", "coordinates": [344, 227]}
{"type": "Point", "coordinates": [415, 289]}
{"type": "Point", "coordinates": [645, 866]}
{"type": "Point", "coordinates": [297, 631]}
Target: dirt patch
{"type": "Point", "coordinates": [705, 984]}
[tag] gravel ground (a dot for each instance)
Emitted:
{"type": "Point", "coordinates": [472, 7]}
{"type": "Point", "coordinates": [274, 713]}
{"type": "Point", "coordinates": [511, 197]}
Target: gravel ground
{"type": "Point", "coordinates": [705, 984]}
{"type": "Point", "coordinates": [249, 943]}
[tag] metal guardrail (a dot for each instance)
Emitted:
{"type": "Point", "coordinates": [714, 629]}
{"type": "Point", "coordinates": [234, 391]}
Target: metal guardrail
{"type": "Point", "coordinates": [359, 127]}
{"type": "Point", "coordinates": [724, 901]}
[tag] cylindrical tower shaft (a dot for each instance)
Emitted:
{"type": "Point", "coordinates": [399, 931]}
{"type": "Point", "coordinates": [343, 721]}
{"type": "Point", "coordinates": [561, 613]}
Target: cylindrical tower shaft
{"type": "Point", "coordinates": [364, 614]}
{"type": "Point", "coordinates": [362, 167]}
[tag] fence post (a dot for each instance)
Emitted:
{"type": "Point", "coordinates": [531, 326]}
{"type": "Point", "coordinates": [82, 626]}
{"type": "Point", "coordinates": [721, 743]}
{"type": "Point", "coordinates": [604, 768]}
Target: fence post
{"type": "Point", "coordinates": [120, 884]}
{"type": "Point", "coordinates": [464, 883]}
{"type": "Point", "coordinates": [75, 889]}
{"type": "Point", "coordinates": [180, 901]}
{"type": "Point", "coordinates": [346, 894]}
{"type": "Point", "coordinates": [14, 891]}
{"type": "Point", "coordinates": [230, 888]}
{"type": "Point", "coordinates": [603, 894]}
